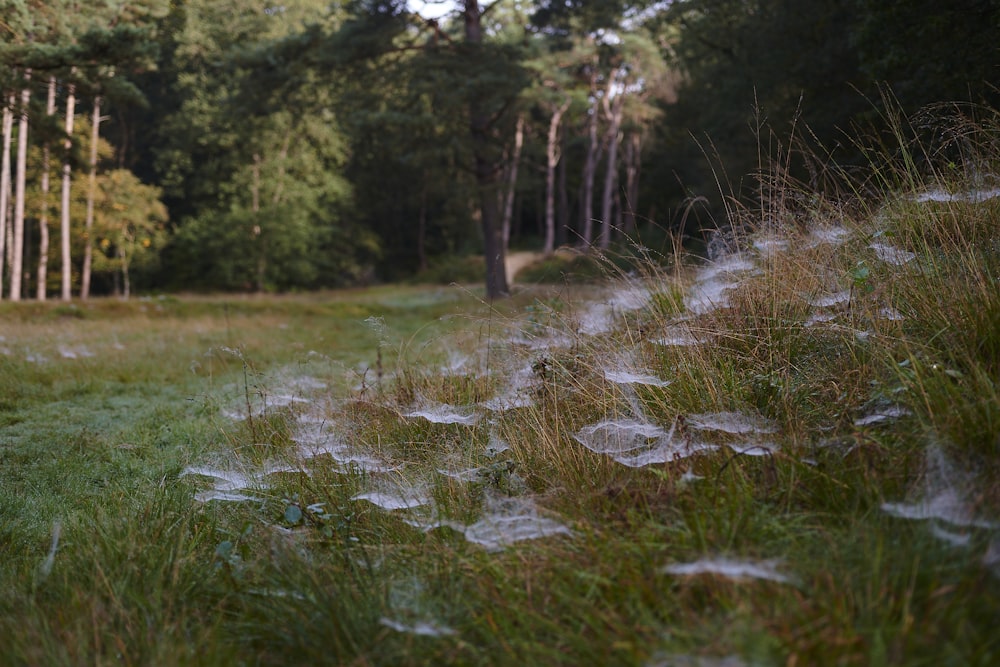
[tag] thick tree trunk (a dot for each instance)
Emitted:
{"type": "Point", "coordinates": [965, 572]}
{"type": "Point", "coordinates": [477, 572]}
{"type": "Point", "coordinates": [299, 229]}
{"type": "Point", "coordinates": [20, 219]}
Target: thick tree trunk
{"type": "Point", "coordinates": [88, 244]}
{"type": "Point", "coordinates": [551, 160]}
{"type": "Point", "coordinates": [17, 242]}
{"type": "Point", "coordinates": [8, 131]}
{"type": "Point", "coordinates": [515, 161]}
{"type": "Point", "coordinates": [613, 109]}
{"type": "Point", "coordinates": [43, 217]}
{"type": "Point", "coordinates": [486, 171]}
{"type": "Point", "coordinates": [64, 226]}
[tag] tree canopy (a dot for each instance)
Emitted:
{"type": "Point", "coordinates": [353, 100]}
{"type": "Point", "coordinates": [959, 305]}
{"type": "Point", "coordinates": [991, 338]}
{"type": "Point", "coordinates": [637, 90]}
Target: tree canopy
{"type": "Point", "coordinates": [304, 144]}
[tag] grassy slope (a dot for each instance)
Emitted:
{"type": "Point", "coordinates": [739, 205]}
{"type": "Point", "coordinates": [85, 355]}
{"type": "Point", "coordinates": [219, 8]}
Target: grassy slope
{"type": "Point", "coordinates": [144, 574]}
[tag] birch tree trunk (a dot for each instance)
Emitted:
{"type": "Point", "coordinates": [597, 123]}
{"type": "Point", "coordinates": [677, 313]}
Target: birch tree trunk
{"type": "Point", "coordinates": [43, 217]}
{"type": "Point", "coordinates": [613, 109]}
{"type": "Point", "coordinates": [515, 160]}
{"type": "Point", "coordinates": [88, 245]}
{"type": "Point", "coordinates": [17, 242]}
{"type": "Point", "coordinates": [8, 130]}
{"type": "Point", "coordinates": [551, 160]}
{"type": "Point", "coordinates": [64, 226]}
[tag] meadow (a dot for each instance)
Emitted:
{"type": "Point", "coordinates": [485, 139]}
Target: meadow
{"type": "Point", "coordinates": [782, 453]}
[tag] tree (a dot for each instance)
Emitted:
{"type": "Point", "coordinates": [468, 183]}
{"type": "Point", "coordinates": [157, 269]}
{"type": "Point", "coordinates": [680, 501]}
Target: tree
{"type": "Point", "coordinates": [957, 56]}
{"type": "Point", "coordinates": [88, 244]}
{"type": "Point", "coordinates": [43, 217]}
{"type": "Point", "coordinates": [66, 271]}
{"type": "Point", "coordinates": [590, 163]}
{"type": "Point", "coordinates": [551, 161]}
{"type": "Point", "coordinates": [252, 157]}
{"type": "Point", "coordinates": [755, 74]}
{"type": "Point", "coordinates": [475, 73]}
{"type": "Point", "coordinates": [56, 40]}
{"type": "Point", "coordinates": [129, 225]}
{"type": "Point", "coordinates": [511, 165]}
{"type": "Point", "coordinates": [17, 245]}
{"type": "Point", "coordinates": [485, 109]}
{"type": "Point", "coordinates": [557, 73]}
{"type": "Point", "coordinates": [405, 124]}
{"type": "Point", "coordinates": [613, 104]}
{"type": "Point", "coordinates": [639, 75]}
{"type": "Point", "coordinates": [8, 129]}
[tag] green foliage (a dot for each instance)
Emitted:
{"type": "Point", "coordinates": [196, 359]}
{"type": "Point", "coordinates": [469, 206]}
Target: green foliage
{"type": "Point", "coordinates": [764, 76]}
{"type": "Point", "coordinates": [353, 119]}
{"type": "Point", "coordinates": [951, 38]}
{"type": "Point", "coordinates": [453, 269]}
{"type": "Point", "coordinates": [565, 268]}
{"type": "Point", "coordinates": [130, 225]}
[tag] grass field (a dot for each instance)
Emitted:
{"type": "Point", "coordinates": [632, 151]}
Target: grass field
{"type": "Point", "coordinates": [786, 455]}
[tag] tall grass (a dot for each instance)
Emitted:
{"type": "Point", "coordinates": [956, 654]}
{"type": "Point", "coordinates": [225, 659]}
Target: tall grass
{"type": "Point", "coordinates": [433, 492]}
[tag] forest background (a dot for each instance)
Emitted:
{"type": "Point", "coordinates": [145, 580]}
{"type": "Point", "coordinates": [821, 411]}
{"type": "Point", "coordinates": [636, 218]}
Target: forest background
{"type": "Point", "coordinates": [303, 144]}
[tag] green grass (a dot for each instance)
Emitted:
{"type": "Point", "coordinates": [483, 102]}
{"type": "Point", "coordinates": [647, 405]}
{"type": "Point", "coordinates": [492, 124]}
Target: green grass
{"type": "Point", "coordinates": [888, 400]}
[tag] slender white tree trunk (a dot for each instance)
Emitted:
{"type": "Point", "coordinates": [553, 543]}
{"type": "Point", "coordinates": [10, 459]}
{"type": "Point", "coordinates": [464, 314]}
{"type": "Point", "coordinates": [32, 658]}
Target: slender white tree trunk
{"type": "Point", "coordinates": [17, 244]}
{"type": "Point", "coordinates": [515, 161]}
{"type": "Point", "coordinates": [64, 226]}
{"type": "Point", "coordinates": [8, 130]}
{"type": "Point", "coordinates": [88, 244]}
{"type": "Point", "coordinates": [43, 218]}
{"type": "Point", "coordinates": [551, 160]}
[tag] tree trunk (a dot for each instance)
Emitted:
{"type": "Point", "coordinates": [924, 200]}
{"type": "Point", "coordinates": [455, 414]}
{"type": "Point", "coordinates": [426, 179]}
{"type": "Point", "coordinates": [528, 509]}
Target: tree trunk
{"type": "Point", "coordinates": [43, 218]}
{"type": "Point", "coordinates": [8, 130]}
{"type": "Point", "coordinates": [258, 229]}
{"type": "Point", "coordinates": [589, 172]}
{"type": "Point", "coordinates": [551, 160]}
{"type": "Point", "coordinates": [633, 150]}
{"type": "Point", "coordinates": [88, 245]}
{"type": "Point", "coordinates": [422, 231]}
{"type": "Point", "coordinates": [485, 170]}
{"type": "Point", "coordinates": [17, 245]}
{"type": "Point", "coordinates": [10, 228]}
{"type": "Point", "coordinates": [613, 109]}
{"type": "Point", "coordinates": [562, 213]}
{"type": "Point", "coordinates": [515, 160]}
{"type": "Point", "coordinates": [126, 283]}
{"type": "Point", "coordinates": [64, 226]}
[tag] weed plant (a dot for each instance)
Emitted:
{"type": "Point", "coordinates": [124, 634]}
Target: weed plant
{"type": "Point", "coordinates": [786, 455]}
